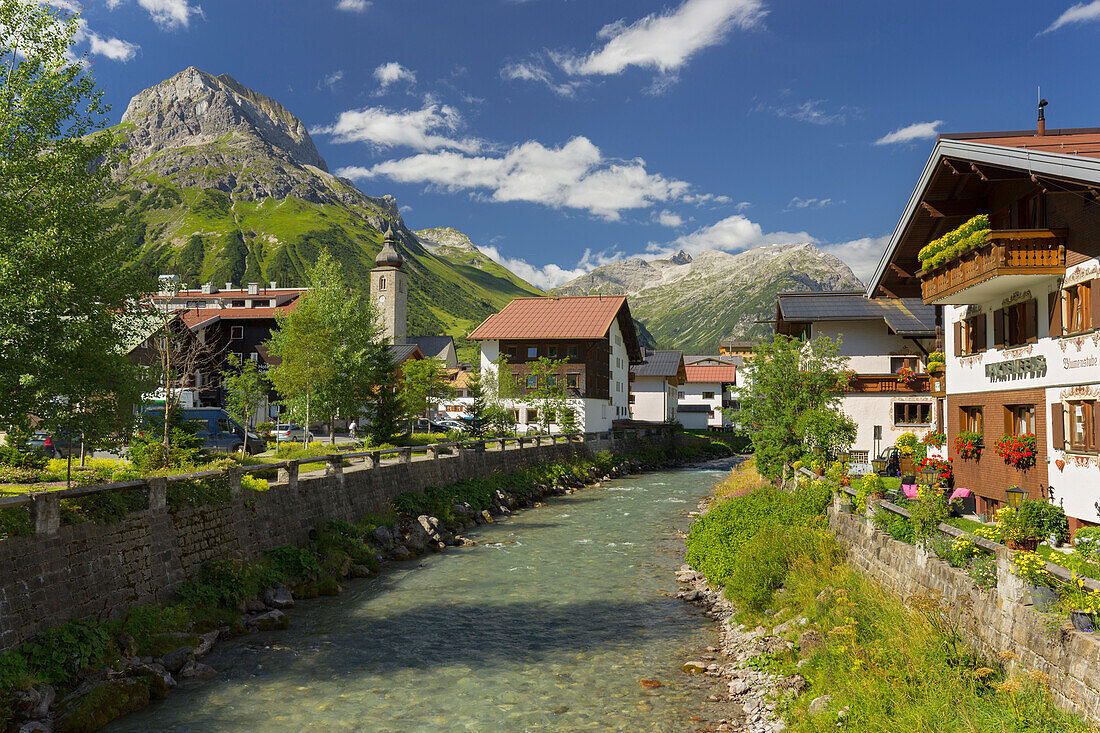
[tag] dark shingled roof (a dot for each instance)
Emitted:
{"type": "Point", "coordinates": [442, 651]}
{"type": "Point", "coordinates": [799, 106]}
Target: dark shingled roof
{"type": "Point", "coordinates": [905, 316]}
{"type": "Point", "coordinates": [659, 364]}
{"type": "Point", "coordinates": [431, 346]}
{"type": "Point", "coordinates": [404, 352]}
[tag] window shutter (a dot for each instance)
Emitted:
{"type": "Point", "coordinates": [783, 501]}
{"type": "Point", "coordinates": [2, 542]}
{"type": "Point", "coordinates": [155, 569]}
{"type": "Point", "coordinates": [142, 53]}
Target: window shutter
{"type": "Point", "coordinates": [1095, 415]}
{"type": "Point", "coordinates": [1055, 303]}
{"type": "Point", "coordinates": [980, 337]}
{"type": "Point", "coordinates": [1031, 321]}
{"type": "Point", "coordinates": [958, 338]}
{"type": "Point", "coordinates": [1057, 426]}
{"type": "Point", "coordinates": [998, 328]}
{"type": "Point", "coordinates": [1093, 303]}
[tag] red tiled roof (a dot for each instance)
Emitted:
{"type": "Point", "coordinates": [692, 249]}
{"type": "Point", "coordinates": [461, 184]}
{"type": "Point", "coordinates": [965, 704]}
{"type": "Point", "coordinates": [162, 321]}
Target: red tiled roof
{"type": "Point", "coordinates": [572, 317]}
{"type": "Point", "coordinates": [713, 373]}
{"type": "Point", "coordinates": [1084, 141]}
{"type": "Point", "coordinates": [194, 317]}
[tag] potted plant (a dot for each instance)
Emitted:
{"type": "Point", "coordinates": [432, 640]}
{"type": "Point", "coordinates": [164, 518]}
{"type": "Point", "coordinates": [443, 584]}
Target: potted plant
{"type": "Point", "coordinates": [873, 486]}
{"type": "Point", "coordinates": [1081, 603]}
{"type": "Point", "coordinates": [936, 360]}
{"type": "Point", "coordinates": [1055, 524]}
{"type": "Point", "coordinates": [906, 374]}
{"type": "Point", "coordinates": [818, 467]}
{"type": "Point", "coordinates": [1022, 528]}
{"type": "Point", "coordinates": [934, 439]}
{"type": "Point", "coordinates": [1016, 450]}
{"type": "Point", "coordinates": [968, 444]}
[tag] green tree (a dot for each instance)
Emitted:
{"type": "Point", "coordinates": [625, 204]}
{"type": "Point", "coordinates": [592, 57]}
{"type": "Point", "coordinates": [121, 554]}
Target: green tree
{"type": "Point", "coordinates": [794, 388]}
{"type": "Point", "coordinates": [479, 408]}
{"type": "Point", "coordinates": [386, 408]}
{"type": "Point", "coordinates": [65, 303]}
{"type": "Point", "coordinates": [423, 385]}
{"type": "Point", "coordinates": [245, 389]}
{"type": "Point", "coordinates": [327, 347]}
{"type": "Point", "coordinates": [549, 393]}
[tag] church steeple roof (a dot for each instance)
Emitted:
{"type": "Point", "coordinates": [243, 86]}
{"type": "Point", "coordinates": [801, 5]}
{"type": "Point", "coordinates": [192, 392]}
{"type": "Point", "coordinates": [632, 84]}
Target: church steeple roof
{"type": "Point", "coordinates": [389, 256]}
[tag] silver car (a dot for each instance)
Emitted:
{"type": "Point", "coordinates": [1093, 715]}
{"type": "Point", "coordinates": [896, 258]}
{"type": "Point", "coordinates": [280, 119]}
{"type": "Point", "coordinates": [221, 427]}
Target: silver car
{"type": "Point", "coordinates": [289, 433]}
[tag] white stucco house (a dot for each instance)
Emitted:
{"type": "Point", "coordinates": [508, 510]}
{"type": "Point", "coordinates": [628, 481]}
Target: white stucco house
{"type": "Point", "coordinates": [654, 384]}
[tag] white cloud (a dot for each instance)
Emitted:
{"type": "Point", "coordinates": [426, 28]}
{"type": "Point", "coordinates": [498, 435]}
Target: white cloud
{"type": "Point", "coordinates": [393, 72]}
{"type": "Point", "coordinates": [353, 6]}
{"type": "Point", "coordinates": [732, 234]}
{"type": "Point", "coordinates": [813, 111]}
{"type": "Point", "coordinates": [573, 176]}
{"type": "Point", "coordinates": [909, 133]}
{"type": "Point", "coordinates": [331, 80]}
{"type": "Point", "coordinates": [113, 48]}
{"type": "Point", "coordinates": [545, 277]}
{"type": "Point", "coordinates": [665, 41]}
{"type": "Point", "coordinates": [168, 14]}
{"type": "Point", "coordinates": [1079, 13]}
{"type": "Point", "coordinates": [669, 219]}
{"type": "Point", "coordinates": [812, 203]}
{"type": "Point", "coordinates": [862, 255]}
{"type": "Point", "coordinates": [537, 72]}
{"type": "Point", "coordinates": [430, 128]}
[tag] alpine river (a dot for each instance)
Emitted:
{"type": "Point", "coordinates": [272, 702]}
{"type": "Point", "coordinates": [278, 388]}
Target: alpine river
{"type": "Point", "coordinates": [547, 624]}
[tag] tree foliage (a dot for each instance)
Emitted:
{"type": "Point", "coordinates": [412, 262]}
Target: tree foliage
{"type": "Point", "coordinates": [386, 408]}
{"type": "Point", "coordinates": [328, 349]}
{"type": "Point", "coordinates": [64, 301]}
{"type": "Point", "coordinates": [549, 393]}
{"type": "Point", "coordinates": [245, 388]}
{"type": "Point", "coordinates": [793, 396]}
{"type": "Point", "coordinates": [423, 385]}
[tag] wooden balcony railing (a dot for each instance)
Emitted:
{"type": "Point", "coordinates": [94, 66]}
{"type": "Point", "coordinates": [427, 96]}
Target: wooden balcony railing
{"type": "Point", "coordinates": [889, 383]}
{"type": "Point", "coordinates": [1005, 253]}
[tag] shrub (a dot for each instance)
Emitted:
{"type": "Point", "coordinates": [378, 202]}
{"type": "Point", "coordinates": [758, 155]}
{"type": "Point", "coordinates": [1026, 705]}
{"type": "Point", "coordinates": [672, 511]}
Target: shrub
{"type": "Point", "coordinates": [928, 511]}
{"type": "Point", "coordinates": [105, 507]}
{"type": "Point", "coordinates": [15, 522]}
{"type": "Point", "coordinates": [1027, 523]}
{"type": "Point", "coordinates": [69, 651]}
{"type": "Point", "coordinates": [11, 456]}
{"type": "Point", "coordinates": [765, 560]}
{"type": "Point", "coordinates": [1086, 541]}
{"type": "Point", "coordinates": [293, 563]}
{"type": "Point", "coordinates": [1054, 521]}
{"type": "Point", "coordinates": [252, 483]}
{"type": "Point", "coordinates": [197, 492]}
{"type": "Point", "coordinates": [896, 525]}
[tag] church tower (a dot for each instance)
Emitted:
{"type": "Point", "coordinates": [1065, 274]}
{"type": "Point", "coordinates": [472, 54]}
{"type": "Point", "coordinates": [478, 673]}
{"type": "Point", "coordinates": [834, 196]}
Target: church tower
{"type": "Point", "coordinates": [388, 290]}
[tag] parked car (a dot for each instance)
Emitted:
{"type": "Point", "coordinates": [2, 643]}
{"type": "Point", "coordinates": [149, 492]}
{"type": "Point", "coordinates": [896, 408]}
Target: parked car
{"type": "Point", "coordinates": [424, 425]}
{"type": "Point", "coordinates": [219, 431]}
{"type": "Point", "coordinates": [53, 445]}
{"type": "Point", "coordinates": [455, 425]}
{"type": "Point", "coordinates": [289, 432]}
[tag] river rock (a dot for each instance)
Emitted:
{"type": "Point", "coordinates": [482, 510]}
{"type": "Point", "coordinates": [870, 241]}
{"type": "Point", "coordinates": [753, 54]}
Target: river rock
{"type": "Point", "coordinates": [206, 643]}
{"type": "Point", "coordinates": [94, 704]}
{"type": "Point", "coordinates": [794, 684]}
{"type": "Point", "coordinates": [809, 641]}
{"type": "Point", "coordinates": [694, 667]}
{"type": "Point", "coordinates": [738, 686]}
{"type": "Point", "coordinates": [197, 671]}
{"type": "Point", "coordinates": [361, 571]}
{"type": "Point", "coordinates": [441, 532]}
{"type": "Point", "coordinates": [750, 705]}
{"type": "Point", "coordinates": [650, 684]}
{"type": "Point", "coordinates": [769, 645]}
{"type": "Point", "coordinates": [126, 644]}
{"type": "Point", "coordinates": [687, 576]}
{"type": "Point", "coordinates": [278, 598]}
{"type": "Point", "coordinates": [174, 660]}
{"type": "Point", "coordinates": [382, 537]}
{"type": "Point", "coordinates": [269, 621]}
{"type": "Point", "coordinates": [400, 552]}
{"type": "Point", "coordinates": [37, 726]}
{"type": "Point", "coordinates": [819, 705]}
{"type": "Point", "coordinates": [417, 539]}
{"type": "Point", "coordinates": [790, 625]}
{"type": "Point", "coordinates": [486, 517]}
{"type": "Point", "coordinates": [254, 605]}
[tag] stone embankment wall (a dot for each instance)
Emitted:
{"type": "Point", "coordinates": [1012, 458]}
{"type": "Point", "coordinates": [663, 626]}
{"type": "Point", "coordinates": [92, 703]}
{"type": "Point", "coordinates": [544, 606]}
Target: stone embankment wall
{"type": "Point", "coordinates": [76, 571]}
{"type": "Point", "coordinates": [1000, 622]}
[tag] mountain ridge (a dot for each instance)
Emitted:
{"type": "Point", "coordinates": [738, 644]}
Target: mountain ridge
{"type": "Point", "coordinates": [685, 301]}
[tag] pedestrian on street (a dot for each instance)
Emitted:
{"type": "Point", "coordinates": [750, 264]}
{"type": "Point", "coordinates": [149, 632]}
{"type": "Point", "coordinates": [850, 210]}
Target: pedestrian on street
{"type": "Point", "coordinates": [351, 428]}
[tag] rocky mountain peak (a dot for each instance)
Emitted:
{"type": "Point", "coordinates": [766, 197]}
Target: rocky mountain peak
{"type": "Point", "coordinates": [438, 238]}
{"type": "Point", "coordinates": [680, 258]}
{"type": "Point", "coordinates": [196, 108]}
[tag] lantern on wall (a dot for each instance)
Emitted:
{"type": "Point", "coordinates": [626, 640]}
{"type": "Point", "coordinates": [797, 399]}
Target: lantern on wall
{"type": "Point", "coordinates": [1016, 497]}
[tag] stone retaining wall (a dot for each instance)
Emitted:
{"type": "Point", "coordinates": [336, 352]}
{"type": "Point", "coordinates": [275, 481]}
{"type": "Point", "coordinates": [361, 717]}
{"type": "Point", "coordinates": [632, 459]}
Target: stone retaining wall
{"type": "Point", "coordinates": [1001, 623]}
{"type": "Point", "coordinates": [89, 569]}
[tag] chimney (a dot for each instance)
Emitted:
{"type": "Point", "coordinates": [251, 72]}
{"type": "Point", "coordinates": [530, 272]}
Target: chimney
{"type": "Point", "coordinates": [209, 289]}
{"type": "Point", "coordinates": [253, 288]}
{"type": "Point", "coordinates": [229, 286]}
{"type": "Point", "coordinates": [1042, 118]}
{"type": "Point", "coordinates": [274, 285]}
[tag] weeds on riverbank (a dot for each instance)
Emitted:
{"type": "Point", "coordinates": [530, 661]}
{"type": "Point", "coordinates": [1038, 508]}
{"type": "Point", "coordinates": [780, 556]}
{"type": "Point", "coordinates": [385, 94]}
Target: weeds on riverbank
{"type": "Point", "coordinates": [891, 666]}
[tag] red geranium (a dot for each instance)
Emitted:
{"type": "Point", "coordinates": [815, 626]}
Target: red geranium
{"type": "Point", "coordinates": [1017, 450]}
{"type": "Point", "coordinates": [968, 444]}
{"type": "Point", "coordinates": [943, 468]}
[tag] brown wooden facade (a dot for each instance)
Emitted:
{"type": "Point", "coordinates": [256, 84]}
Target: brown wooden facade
{"type": "Point", "coordinates": [588, 363]}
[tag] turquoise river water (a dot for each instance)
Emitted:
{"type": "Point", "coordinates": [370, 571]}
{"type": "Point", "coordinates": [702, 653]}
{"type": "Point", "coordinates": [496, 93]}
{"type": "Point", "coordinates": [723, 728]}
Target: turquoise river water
{"type": "Point", "coordinates": [547, 624]}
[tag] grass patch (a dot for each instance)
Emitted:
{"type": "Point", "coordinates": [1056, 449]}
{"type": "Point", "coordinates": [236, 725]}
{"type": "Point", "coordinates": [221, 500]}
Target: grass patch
{"type": "Point", "coordinates": [896, 667]}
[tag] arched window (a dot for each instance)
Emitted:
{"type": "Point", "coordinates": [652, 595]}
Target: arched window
{"type": "Point", "coordinates": [382, 283]}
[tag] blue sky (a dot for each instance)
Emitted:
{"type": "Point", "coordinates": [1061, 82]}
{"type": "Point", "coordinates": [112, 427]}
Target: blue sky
{"type": "Point", "coordinates": [561, 134]}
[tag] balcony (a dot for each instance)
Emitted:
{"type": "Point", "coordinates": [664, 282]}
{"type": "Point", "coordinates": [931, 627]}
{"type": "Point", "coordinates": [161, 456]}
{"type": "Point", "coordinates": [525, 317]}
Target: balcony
{"type": "Point", "coordinates": [889, 384]}
{"type": "Point", "coordinates": [1009, 261]}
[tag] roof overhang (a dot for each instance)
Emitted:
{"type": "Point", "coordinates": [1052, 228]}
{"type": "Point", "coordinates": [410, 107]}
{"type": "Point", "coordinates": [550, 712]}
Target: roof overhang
{"type": "Point", "coordinates": [1055, 165]}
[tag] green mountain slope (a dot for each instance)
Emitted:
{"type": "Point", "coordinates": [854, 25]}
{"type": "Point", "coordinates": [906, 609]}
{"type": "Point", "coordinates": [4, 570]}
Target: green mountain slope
{"type": "Point", "coordinates": [691, 304]}
{"type": "Point", "coordinates": [223, 184]}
